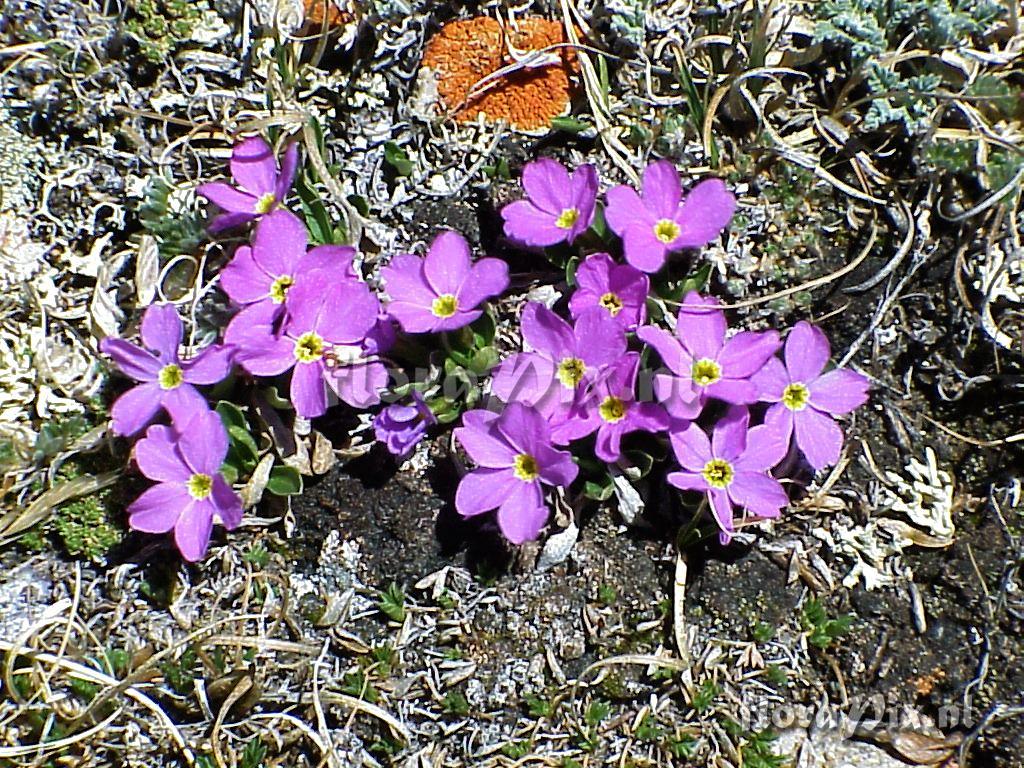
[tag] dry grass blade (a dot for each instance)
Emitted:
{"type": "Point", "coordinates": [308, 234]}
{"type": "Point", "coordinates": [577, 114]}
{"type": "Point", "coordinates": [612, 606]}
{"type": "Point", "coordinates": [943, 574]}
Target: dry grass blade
{"type": "Point", "coordinates": [18, 521]}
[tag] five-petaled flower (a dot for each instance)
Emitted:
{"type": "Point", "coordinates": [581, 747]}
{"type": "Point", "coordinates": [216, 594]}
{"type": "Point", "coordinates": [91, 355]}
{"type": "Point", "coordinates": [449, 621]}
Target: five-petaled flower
{"type": "Point", "coordinates": [514, 456]}
{"type": "Point", "coordinates": [618, 289]}
{"type": "Point", "coordinates": [660, 222]}
{"type": "Point", "coordinates": [401, 427]}
{"type": "Point", "coordinates": [190, 494]}
{"type": "Point", "coordinates": [703, 362]}
{"type": "Point", "coordinates": [441, 291]}
{"type": "Point", "coordinates": [261, 187]}
{"type": "Point", "coordinates": [805, 399]}
{"type": "Point", "coordinates": [263, 274]}
{"type": "Point", "coordinates": [327, 339]}
{"type": "Point", "coordinates": [732, 467]}
{"type": "Point", "coordinates": [563, 361]}
{"type": "Point", "coordinates": [612, 410]}
{"type": "Point", "coordinates": [559, 205]}
{"type": "Point", "coordinates": [167, 381]}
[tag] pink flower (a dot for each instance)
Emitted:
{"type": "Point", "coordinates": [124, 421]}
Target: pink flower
{"type": "Point", "coordinates": [731, 468]}
{"type": "Point", "coordinates": [441, 292]}
{"type": "Point", "coordinates": [703, 363]}
{"type": "Point", "coordinates": [514, 456]}
{"type": "Point", "coordinates": [661, 222]}
{"type": "Point", "coordinates": [618, 289]}
{"type": "Point", "coordinates": [806, 400]}
{"type": "Point", "coordinates": [261, 187]}
{"type": "Point", "coordinates": [190, 494]}
{"type": "Point", "coordinates": [559, 205]}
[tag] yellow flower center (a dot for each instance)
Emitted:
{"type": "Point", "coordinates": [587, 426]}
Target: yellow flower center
{"type": "Point", "coordinates": [666, 230]}
{"type": "Point", "coordinates": [444, 305]}
{"type": "Point", "coordinates": [265, 204]}
{"type": "Point", "coordinates": [612, 303]}
{"type": "Point", "coordinates": [567, 218]}
{"type": "Point", "coordinates": [570, 372]}
{"type": "Point", "coordinates": [613, 409]}
{"type": "Point", "coordinates": [279, 288]}
{"type": "Point", "coordinates": [200, 486]}
{"type": "Point", "coordinates": [795, 397]}
{"type": "Point", "coordinates": [309, 347]}
{"type": "Point", "coordinates": [705, 372]}
{"type": "Point", "coordinates": [171, 377]}
{"type": "Point", "coordinates": [526, 468]}
{"type": "Point", "coordinates": [718, 473]}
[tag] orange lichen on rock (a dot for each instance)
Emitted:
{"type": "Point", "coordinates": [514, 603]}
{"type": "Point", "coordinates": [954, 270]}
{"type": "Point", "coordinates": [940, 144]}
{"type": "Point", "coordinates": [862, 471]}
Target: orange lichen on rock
{"type": "Point", "coordinates": [467, 51]}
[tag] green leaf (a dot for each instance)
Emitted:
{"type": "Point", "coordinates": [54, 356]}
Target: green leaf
{"type": "Point", "coordinates": [483, 361]}
{"type": "Point", "coordinates": [569, 124]}
{"type": "Point", "coordinates": [231, 415]}
{"type": "Point", "coordinates": [318, 221]}
{"type": "Point", "coordinates": [396, 157]}
{"type": "Point", "coordinates": [483, 329]}
{"type": "Point", "coordinates": [360, 203]}
{"type": "Point", "coordinates": [641, 460]}
{"type": "Point", "coordinates": [392, 603]}
{"type": "Point", "coordinates": [284, 481]}
{"type": "Point", "coordinates": [244, 442]}
{"type": "Point", "coordinates": [570, 270]}
{"type": "Point", "coordinates": [598, 491]}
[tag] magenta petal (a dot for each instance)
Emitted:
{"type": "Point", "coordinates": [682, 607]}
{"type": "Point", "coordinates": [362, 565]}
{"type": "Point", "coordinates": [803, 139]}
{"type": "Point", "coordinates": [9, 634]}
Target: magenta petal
{"type": "Point", "coordinates": [584, 187]}
{"type": "Point", "coordinates": [210, 366]}
{"type": "Point", "coordinates": [525, 377]}
{"type": "Point", "coordinates": [405, 282]}
{"type": "Point", "coordinates": [678, 397]}
{"type": "Point", "coordinates": [227, 198]}
{"type": "Point", "coordinates": [227, 502]}
{"type": "Point", "coordinates": [649, 417]}
{"type": "Point", "coordinates": [253, 166]}
{"type": "Point", "coordinates": [746, 353]}
{"type": "Point", "coordinates": [487, 278]}
{"type": "Point", "coordinates": [593, 274]}
{"type": "Point", "coordinates": [484, 489]}
{"type": "Point", "coordinates": [359, 385]}
{"type": "Point", "coordinates": [701, 326]}
{"type": "Point", "coordinates": [204, 442]}
{"type": "Point", "coordinates": [721, 510]}
{"type": "Point", "coordinates": [735, 391]}
{"type": "Point", "coordinates": [780, 418]}
{"type": "Point", "coordinates": [547, 333]}
{"type": "Point", "coordinates": [625, 209]}
{"type": "Point", "coordinates": [668, 348]}
{"type": "Point", "coordinates": [688, 481]}
{"type": "Point", "coordinates": [227, 221]}
{"type": "Point", "coordinates": [182, 402]}
{"type": "Point", "coordinates": [257, 349]}
{"type": "Point", "coordinates": [413, 318]}
{"type": "Point", "coordinates": [527, 224]}
{"type": "Point", "coordinates": [548, 186]}
{"type": "Point", "coordinates": [839, 392]}
{"type": "Point", "coordinates": [760, 494]}
{"type": "Point", "coordinates": [767, 445]}
{"type": "Point", "coordinates": [556, 467]}
{"type": "Point", "coordinates": [522, 513]}
{"type": "Point", "coordinates": [193, 529]}
{"type": "Point", "coordinates": [643, 249]}
{"type": "Point", "coordinates": [156, 456]}
{"type": "Point", "coordinates": [661, 191]}
{"type": "Point", "coordinates": [607, 446]}
{"type": "Point", "coordinates": [336, 260]}
{"type": "Point", "coordinates": [818, 436]}
{"type": "Point", "coordinates": [279, 243]}
{"type": "Point", "coordinates": [523, 427]}
{"type": "Point", "coordinates": [730, 435]}
{"type": "Point", "coordinates": [707, 210]}
{"type": "Point", "coordinates": [158, 508]}
{"type": "Point", "coordinates": [342, 312]}
{"type": "Point", "coordinates": [485, 447]}
{"type": "Point", "coordinates": [447, 263]}
{"type": "Point", "coordinates": [600, 340]}
{"type": "Point", "coordinates": [135, 409]}
{"type": "Point", "coordinates": [133, 361]}
{"type": "Point", "coordinates": [308, 391]}
{"type": "Point", "coordinates": [807, 351]}
{"type": "Point", "coordinates": [289, 165]}
{"type": "Point", "coordinates": [771, 381]}
{"type": "Point", "coordinates": [162, 331]}
{"type": "Point", "coordinates": [691, 447]}
{"type": "Point", "coordinates": [243, 280]}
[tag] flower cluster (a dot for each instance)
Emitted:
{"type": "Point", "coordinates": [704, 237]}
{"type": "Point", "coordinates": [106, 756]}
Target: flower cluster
{"type": "Point", "coordinates": [605, 374]}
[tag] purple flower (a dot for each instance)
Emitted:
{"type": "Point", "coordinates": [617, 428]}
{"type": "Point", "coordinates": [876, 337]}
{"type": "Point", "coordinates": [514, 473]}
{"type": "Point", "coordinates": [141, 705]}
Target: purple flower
{"type": "Point", "coordinates": [441, 291]}
{"type": "Point", "coordinates": [703, 362]}
{"type": "Point", "coordinates": [732, 467]}
{"type": "Point", "coordinates": [619, 289]}
{"type": "Point", "coordinates": [611, 410]}
{"type": "Point", "coordinates": [328, 337]}
{"type": "Point", "coordinates": [190, 494]}
{"type": "Point", "coordinates": [807, 399]}
{"type": "Point", "coordinates": [559, 206]}
{"type": "Point", "coordinates": [166, 380]}
{"type": "Point", "coordinates": [264, 273]}
{"type": "Point", "coordinates": [564, 360]}
{"type": "Point", "coordinates": [653, 226]}
{"type": "Point", "coordinates": [401, 427]}
{"type": "Point", "coordinates": [514, 456]}
{"type": "Point", "coordinates": [261, 188]}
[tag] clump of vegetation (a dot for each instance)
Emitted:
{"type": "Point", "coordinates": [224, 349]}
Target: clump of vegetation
{"type": "Point", "coordinates": [161, 25]}
{"type": "Point", "coordinates": [823, 630]}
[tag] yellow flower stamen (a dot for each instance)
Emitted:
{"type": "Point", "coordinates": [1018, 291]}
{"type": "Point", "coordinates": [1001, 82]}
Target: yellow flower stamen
{"type": "Point", "coordinates": [796, 396]}
{"type": "Point", "coordinates": [200, 486]}
{"type": "Point", "coordinates": [265, 204]}
{"type": "Point", "coordinates": [718, 473]}
{"type": "Point", "coordinates": [571, 371]}
{"type": "Point", "coordinates": [444, 306]}
{"type": "Point", "coordinates": [666, 230]}
{"type": "Point", "coordinates": [171, 377]}
{"type": "Point", "coordinates": [705, 372]}
{"type": "Point", "coordinates": [279, 288]}
{"type": "Point", "coordinates": [613, 409]}
{"type": "Point", "coordinates": [567, 219]}
{"type": "Point", "coordinates": [612, 303]}
{"type": "Point", "coordinates": [525, 468]}
{"type": "Point", "coordinates": [309, 347]}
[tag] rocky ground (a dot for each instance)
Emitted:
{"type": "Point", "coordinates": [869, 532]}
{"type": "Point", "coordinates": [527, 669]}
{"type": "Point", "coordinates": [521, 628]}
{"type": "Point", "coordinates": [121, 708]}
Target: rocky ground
{"type": "Point", "coordinates": [875, 148]}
